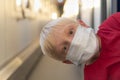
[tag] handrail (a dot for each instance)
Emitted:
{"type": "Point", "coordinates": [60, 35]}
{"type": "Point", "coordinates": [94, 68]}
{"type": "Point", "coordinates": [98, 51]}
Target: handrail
{"type": "Point", "coordinates": [25, 61]}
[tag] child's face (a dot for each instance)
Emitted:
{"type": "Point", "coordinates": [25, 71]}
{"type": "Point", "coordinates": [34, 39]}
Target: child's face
{"type": "Point", "coordinates": [63, 38]}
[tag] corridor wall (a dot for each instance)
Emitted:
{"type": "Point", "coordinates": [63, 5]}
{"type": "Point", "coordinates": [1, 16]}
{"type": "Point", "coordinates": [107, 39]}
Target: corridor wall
{"type": "Point", "coordinates": [15, 35]}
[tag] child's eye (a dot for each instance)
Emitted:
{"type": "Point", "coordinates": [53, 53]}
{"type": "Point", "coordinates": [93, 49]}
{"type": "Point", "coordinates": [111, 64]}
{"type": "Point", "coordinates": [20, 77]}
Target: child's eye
{"type": "Point", "coordinates": [65, 47]}
{"type": "Point", "coordinates": [71, 32]}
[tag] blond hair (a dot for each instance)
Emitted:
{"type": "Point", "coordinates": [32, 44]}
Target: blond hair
{"type": "Point", "coordinates": [47, 39]}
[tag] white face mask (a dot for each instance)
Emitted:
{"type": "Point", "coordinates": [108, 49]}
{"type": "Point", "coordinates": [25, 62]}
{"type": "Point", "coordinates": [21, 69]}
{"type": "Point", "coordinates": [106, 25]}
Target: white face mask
{"type": "Point", "coordinates": [83, 46]}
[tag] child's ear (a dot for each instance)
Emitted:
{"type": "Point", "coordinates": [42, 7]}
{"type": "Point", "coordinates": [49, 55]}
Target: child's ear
{"type": "Point", "coordinates": [67, 62]}
{"type": "Point", "coordinates": [82, 23]}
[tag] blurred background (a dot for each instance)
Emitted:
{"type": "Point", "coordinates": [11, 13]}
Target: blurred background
{"type": "Point", "coordinates": [20, 25]}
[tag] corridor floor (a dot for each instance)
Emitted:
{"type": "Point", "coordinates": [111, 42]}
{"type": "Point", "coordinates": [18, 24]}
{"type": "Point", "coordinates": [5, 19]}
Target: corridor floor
{"type": "Point", "coordinates": [49, 69]}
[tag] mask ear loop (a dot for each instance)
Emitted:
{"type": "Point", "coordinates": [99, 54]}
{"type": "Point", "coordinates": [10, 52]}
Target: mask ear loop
{"type": "Point", "coordinates": [82, 23]}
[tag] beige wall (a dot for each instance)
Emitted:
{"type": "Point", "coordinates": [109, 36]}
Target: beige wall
{"type": "Point", "coordinates": [2, 30]}
{"type": "Point", "coordinates": [15, 35]}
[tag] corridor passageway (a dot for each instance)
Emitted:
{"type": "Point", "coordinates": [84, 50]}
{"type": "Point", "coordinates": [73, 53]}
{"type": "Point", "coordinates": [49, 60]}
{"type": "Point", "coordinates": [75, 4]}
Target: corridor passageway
{"type": "Point", "coordinates": [21, 22]}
